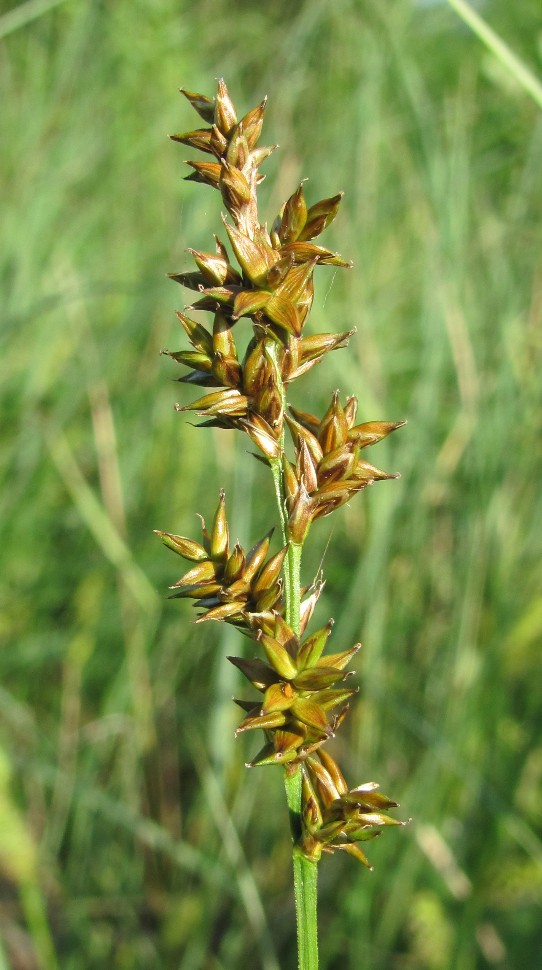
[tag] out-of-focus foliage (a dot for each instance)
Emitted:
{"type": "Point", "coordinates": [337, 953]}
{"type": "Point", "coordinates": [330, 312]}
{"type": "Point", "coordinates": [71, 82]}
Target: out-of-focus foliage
{"type": "Point", "coordinates": [131, 835]}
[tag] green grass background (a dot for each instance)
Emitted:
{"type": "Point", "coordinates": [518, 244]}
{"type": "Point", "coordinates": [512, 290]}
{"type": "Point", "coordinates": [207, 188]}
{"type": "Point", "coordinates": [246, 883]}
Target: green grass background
{"type": "Point", "coordinates": [131, 835]}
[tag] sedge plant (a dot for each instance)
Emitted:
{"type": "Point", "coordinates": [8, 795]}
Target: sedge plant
{"type": "Point", "coordinates": [262, 279]}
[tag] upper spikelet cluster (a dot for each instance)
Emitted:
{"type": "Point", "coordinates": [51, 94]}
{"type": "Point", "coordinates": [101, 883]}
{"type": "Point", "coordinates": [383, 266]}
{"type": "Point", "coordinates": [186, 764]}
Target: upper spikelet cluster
{"type": "Point", "coordinates": [272, 285]}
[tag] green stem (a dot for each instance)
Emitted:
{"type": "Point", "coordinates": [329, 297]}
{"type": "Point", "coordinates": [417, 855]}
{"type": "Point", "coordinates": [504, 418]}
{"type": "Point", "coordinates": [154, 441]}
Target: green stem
{"type": "Point", "coordinates": [305, 883]}
{"type": "Point", "coordinates": [276, 468]}
{"type": "Point", "coordinates": [305, 871]}
{"type": "Point", "coordinates": [293, 586]}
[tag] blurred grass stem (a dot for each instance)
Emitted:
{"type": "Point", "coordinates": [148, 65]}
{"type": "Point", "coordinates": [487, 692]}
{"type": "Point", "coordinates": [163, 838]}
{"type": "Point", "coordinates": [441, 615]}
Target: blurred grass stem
{"type": "Point", "coordinates": [24, 13]}
{"type": "Point", "coordinates": [500, 49]}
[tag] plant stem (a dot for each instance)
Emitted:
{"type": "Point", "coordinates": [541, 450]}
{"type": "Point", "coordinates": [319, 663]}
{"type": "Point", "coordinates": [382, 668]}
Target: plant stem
{"type": "Point", "coordinates": [305, 871]}
{"type": "Point", "coordinates": [305, 885]}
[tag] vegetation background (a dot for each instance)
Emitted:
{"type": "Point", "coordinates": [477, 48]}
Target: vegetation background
{"type": "Point", "coordinates": [131, 835]}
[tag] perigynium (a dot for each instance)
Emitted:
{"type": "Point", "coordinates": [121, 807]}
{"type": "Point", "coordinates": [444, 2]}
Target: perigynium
{"type": "Point", "coordinates": [302, 693]}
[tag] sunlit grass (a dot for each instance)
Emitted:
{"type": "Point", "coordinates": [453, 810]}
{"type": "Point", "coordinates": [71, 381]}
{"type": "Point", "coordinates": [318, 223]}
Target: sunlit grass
{"type": "Point", "coordinates": [152, 854]}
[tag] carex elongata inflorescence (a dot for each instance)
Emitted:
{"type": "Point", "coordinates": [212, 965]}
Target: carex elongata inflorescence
{"type": "Point", "coordinates": [264, 281]}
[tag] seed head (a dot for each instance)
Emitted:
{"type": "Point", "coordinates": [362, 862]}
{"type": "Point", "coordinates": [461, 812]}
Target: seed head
{"type": "Point", "coordinates": [328, 469]}
{"type": "Point", "coordinates": [228, 584]}
{"type": "Point", "coordinates": [335, 817]}
{"type": "Point", "coordinates": [263, 281]}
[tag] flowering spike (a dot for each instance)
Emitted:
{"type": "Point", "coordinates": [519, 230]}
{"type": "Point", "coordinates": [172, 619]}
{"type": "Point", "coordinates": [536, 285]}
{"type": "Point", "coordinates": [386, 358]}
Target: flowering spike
{"type": "Point", "coordinates": [302, 693]}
